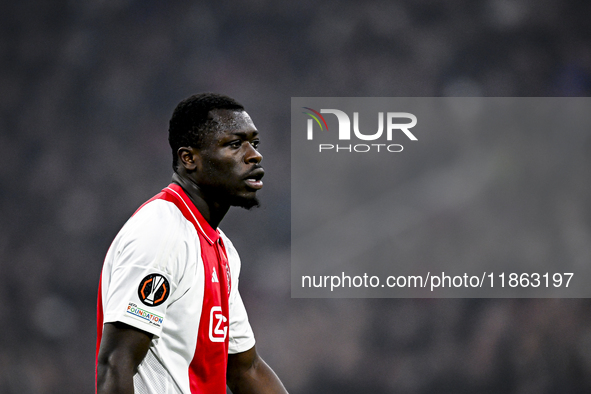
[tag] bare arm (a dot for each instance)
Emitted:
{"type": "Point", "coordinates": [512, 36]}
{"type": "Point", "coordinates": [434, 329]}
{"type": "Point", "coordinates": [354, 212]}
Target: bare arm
{"type": "Point", "coordinates": [249, 374]}
{"type": "Point", "coordinates": [122, 349]}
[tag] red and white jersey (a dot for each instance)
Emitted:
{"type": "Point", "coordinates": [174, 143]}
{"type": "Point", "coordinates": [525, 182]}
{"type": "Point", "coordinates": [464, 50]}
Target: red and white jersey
{"type": "Point", "coordinates": [169, 273]}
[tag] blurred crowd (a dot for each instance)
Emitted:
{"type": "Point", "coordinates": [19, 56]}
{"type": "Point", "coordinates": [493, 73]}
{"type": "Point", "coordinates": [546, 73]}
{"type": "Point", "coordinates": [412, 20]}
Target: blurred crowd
{"type": "Point", "coordinates": [87, 91]}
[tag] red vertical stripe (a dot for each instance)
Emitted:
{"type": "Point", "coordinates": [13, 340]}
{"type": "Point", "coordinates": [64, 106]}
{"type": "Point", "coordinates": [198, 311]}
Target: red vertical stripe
{"type": "Point", "coordinates": [207, 371]}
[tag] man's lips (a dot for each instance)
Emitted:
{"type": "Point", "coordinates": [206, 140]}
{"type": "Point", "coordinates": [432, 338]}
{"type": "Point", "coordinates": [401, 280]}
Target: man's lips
{"type": "Point", "coordinates": [253, 179]}
{"type": "Point", "coordinates": [254, 184]}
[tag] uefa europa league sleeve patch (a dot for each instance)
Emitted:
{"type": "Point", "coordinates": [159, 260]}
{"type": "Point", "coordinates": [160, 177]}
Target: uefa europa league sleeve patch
{"type": "Point", "coordinates": [153, 290]}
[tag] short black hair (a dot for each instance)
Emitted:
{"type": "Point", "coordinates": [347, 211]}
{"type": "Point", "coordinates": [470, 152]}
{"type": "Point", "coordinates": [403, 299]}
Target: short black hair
{"type": "Point", "coordinates": [191, 120]}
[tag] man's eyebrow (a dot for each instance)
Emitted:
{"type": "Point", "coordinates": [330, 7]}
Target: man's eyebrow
{"type": "Point", "coordinates": [244, 134]}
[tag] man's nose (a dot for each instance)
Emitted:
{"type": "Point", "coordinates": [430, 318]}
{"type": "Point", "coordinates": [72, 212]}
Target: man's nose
{"type": "Point", "coordinates": [252, 155]}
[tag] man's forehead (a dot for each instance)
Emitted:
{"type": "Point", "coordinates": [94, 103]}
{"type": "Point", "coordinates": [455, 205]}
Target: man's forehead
{"type": "Point", "coordinates": [232, 120]}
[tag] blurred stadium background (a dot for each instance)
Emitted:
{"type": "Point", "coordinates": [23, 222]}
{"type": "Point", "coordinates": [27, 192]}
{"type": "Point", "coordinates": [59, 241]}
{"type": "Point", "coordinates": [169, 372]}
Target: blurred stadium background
{"type": "Point", "coordinates": [87, 91]}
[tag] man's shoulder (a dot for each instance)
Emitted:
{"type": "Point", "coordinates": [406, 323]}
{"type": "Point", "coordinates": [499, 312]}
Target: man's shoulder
{"type": "Point", "coordinates": [158, 233]}
{"type": "Point", "coordinates": [158, 212]}
{"type": "Point", "coordinates": [156, 217]}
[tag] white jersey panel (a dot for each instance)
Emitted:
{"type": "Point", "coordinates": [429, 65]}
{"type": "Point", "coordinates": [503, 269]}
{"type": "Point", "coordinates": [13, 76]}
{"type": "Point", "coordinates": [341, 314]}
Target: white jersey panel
{"type": "Point", "coordinates": [241, 337]}
{"type": "Point", "coordinates": [157, 240]}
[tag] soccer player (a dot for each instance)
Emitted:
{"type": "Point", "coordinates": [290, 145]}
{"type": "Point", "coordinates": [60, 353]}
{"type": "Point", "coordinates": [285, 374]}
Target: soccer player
{"type": "Point", "coordinates": [170, 317]}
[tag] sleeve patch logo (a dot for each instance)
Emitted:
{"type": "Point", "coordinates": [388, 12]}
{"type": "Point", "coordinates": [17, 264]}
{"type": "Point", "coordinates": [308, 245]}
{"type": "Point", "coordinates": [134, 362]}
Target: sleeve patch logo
{"type": "Point", "coordinates": [151, 318]}
{"type": "Point", "coordinates": [153, 290]}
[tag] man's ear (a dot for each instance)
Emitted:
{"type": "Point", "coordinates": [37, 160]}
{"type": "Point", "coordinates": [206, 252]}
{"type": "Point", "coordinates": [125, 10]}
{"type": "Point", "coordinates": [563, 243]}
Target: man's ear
{"type": "Point", "coordinates": [189, 158]}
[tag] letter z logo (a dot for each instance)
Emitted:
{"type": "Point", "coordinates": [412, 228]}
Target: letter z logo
{"type": "Point", "coordinates": [217, 333]}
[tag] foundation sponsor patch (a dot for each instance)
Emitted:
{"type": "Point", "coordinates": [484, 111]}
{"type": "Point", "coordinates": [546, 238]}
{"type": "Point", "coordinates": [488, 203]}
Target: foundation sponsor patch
{"type": "Point", "coordinates": [143, 314]}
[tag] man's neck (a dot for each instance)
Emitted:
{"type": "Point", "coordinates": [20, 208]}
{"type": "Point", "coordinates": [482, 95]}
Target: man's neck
{"type": "Point", "coordinates": [213, 212]}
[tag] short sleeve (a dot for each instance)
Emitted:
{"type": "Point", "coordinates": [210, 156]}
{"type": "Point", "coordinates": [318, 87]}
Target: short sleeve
{"type": "Point", "coordinates": [241, 336]}
{"type": "Point", "coordinates": [144, 266]}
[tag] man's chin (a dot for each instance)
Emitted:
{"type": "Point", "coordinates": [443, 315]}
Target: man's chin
{"type": "Point", "coordinates": [245, 202]}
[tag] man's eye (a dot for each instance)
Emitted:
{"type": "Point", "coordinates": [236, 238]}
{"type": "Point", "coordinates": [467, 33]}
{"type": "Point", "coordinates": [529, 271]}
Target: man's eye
{"type": "Point", "coordinates": [255, 144]}
{"type": "Point", "coordinates": [235, 144]}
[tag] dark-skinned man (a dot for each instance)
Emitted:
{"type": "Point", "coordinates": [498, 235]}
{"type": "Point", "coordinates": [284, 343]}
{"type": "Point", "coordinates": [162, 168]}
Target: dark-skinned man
{"type": "Point", "coordinates": [170, 317]}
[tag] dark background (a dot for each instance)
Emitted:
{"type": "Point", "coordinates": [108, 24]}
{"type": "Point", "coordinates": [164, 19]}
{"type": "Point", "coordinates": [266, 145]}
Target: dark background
{"type": "Point", "coordinates": [87, 91]}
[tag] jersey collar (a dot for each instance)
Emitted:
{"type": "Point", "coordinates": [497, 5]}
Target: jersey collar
{"type": "Point", "coordinates": [187, 206]}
